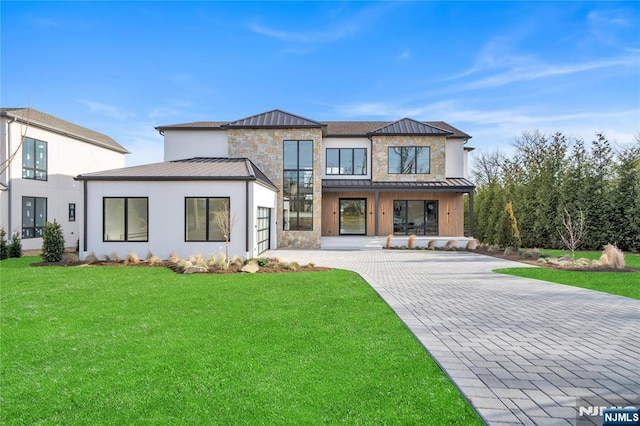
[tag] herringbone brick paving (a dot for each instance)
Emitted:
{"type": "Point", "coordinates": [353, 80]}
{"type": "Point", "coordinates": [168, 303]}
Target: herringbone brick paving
{"type": "Point", "coordinates": [521, 351]}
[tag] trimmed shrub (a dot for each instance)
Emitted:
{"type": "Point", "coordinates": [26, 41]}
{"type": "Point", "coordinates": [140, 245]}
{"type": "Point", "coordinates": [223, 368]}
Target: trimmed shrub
{"type": "Point", "coordinates": [472, 244]}
{"type": "Point", "coordinates": [389, 241]}
{"type": "Point", "coordinates": [4, 248]}
{"type": "Point", "coordinates": [91, 258]}
{"type": "Point", "coordinates": [52, 242]}
{"type": "Point", "coordinates": [431, 245]}
{"type": "Point", "coordinates": [451, 245]}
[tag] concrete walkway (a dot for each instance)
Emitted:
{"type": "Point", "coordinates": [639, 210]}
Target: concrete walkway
{"type": "Point", "coordinates": [521, 351]}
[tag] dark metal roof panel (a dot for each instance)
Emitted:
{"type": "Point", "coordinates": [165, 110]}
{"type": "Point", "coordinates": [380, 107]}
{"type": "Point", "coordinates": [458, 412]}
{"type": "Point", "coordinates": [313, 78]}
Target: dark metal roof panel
{"type": "Point", "coordinates": [58, 125]}
{"type": "Point", "coordinates": [275, 118]}
{"type": "Point", "coordinates": [199, 168]}
{"type": "Point", "coordinates": [407, 126]}
{"type": "Point", "coordinates": [197, 125]}
{"type": "Point", "coordinates": [360, 184]}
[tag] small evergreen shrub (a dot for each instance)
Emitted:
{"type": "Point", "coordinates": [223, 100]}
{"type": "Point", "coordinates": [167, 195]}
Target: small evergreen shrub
{"type": "Point", "coordinates": [52, 242]}
{"type": "Point", "coordinates": [15, 246]}
{"type": "Point", "coordinates": [4, 248]}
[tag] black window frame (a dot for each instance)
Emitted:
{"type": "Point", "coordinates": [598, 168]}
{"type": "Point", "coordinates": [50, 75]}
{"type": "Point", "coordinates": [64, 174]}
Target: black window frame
{"type": "Point", "coordinates": [300, 171]}
{"type": "Point", "coordinates": [353, 156]}
{"type": "Point", "coordinates": [72, 212]}
{"type": "Point", "coordinates": [412, 167]}
{"type": "Point", "coordinates": [36, 230]}
{"type": "Point", "coordinates": [263, 217]}
{"type": "Point", "coordinates": [207, 213]}
{"type": "Point", "coordinates": [126, 220]}
{"type": "Point", "coordinates": [426, 229]}
{"type": "Point", "coordinates": [28, 149]}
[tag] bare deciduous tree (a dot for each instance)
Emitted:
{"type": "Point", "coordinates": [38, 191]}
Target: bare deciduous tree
{"type": "Point", "coordinates": [572, 231]}
{"type": "Point", "coordinates": [225, 221]}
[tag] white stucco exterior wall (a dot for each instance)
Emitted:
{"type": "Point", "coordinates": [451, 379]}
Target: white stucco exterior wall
{"type": "Point", "coordinates": [66, 158]}
{"type": "Point", "coordinates": [183, 144]}
{"type": "Point", "coordinates": [454, 158]}
{"type": "Point", "coordinates": [166, 209]}
{"type": "Point", "coordinates": [262, 197]}
{"type": "Point", "coordinates": [345, 143]}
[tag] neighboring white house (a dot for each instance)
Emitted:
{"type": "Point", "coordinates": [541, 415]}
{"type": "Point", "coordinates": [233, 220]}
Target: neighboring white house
{"type": "Point", "coordinates": [39, 157]}
{"type": "Point", "coordinates": [287, 180]}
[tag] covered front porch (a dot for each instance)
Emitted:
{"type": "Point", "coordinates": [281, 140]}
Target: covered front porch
{"type": "Point", "coordinates": [425, 209]}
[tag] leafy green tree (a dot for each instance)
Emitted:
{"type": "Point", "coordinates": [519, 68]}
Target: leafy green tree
{"type": "Point", "coordinates": [626, 203]}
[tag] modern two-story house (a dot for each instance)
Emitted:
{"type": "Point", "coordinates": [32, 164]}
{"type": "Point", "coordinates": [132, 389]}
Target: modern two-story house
{"type": "Point", "coordinates": [283, 181]}
{"type": "Point", "coordinates": [39, 157]}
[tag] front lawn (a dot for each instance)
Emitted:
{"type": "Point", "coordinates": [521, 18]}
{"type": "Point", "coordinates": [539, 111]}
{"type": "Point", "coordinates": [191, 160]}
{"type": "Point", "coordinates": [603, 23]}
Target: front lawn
{"type": "Point", "coordinates": [128, 345]}
{"type": "Point", "coordinates": [620, 283]}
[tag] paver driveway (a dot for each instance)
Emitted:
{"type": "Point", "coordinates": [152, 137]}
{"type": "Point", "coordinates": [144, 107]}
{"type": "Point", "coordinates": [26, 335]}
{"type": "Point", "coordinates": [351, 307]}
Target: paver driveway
{"type": "Point", "coordinates": [522, 351]}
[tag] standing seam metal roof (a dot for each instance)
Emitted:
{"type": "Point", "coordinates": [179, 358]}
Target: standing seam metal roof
{"type": "Point", "coordinates": [407, 126]}
{"type": "Point", "coordinates": [198, 168]}
{"type": "Point", "coordinates": [274, 118]}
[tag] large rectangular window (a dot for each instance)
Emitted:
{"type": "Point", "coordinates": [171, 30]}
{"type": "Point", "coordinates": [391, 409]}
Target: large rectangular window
{"type": "Point", "coordinates": [206, 218]}
{"type": "Point", "coordinates": [263, 233]}
{"type": "Point", "coordinates": [346, 161]}
{"type": "Point", "coordinates": [125, 219]}
{"type": "Point", "coordinates": [409, 159]}
{"type": "Point", "coordinates": [417, 217]}
{"type": "Point", "coordinates": [298, 185]}
{"type": "Point", "coordinates": [34, 216]}
{"type": "Point", "coordinates": [34, 159]}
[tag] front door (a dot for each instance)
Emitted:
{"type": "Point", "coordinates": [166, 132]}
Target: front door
{"type": "Point", "coordinates": [353, 216]}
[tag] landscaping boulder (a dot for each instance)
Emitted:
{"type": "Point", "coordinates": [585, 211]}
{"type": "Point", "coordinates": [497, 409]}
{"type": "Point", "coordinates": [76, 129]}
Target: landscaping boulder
{"type": "Point", "coordinates": [251, 268]}
{"type": "Point", "coordinates": [194, 269]}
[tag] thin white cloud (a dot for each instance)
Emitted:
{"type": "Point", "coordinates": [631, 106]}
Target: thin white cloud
{"type": "Point", "coordinates": [547, 70]}
{"type": "Point", "coordinates": [617, 18]}
{"type": "Point", "coordinates": [404, 55]}
{"type": "Point", "coordinates": [340, 30]}
{"type": "Point", "coordinates": [46, 22]}
{"type": "Point", "coordinates": [108, 110]}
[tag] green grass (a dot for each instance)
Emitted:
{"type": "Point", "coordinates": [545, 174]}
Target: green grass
{"type": "Point", "coordinates": [109, 345]}
{"type": "Point", "coordinates": [621, 283]}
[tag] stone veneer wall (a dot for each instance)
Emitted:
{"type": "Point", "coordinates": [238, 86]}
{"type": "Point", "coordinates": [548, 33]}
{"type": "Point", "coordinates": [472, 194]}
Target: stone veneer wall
{"type": "Point", "coordinates": [380, 160]}
{"type": "Point", "coordinates": [264, 148]}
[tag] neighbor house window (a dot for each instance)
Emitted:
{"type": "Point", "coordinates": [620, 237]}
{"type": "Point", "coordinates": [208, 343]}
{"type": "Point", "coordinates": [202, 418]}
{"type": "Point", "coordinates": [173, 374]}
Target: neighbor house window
{"type": "Point", "coordinates": [346, 161]}
{"type": "Point", "coordinates": [34, 159]}
{"type": "Point", "coordinates": [409, 159]}
{"type": "Point", "coordinates": [34, 216]}
{"type": "Point", "coordinates": [125, 219]}
{"type": "Point", "coordinates": [202, 218]}
{"type": "Point", "coordinates": [298, 185]}
{"type": "Point", "coordinates": [72, 212]}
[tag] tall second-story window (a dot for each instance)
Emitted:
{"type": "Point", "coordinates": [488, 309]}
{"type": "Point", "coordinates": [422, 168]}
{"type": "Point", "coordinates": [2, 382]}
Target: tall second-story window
{"type": "Point", "coordinates": [34, 159]}
{"type": "Point", "coordinates": [409, 159]}
{"type": "Point", "coordinates": [298, 185]}
{"type": "Point", "coordinates": [346, 161]}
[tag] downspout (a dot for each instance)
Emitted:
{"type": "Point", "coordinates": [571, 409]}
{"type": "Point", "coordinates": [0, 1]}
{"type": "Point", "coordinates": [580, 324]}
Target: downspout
{"type": "Point", "coordinates": [471, 214]}
{"type": "Point", "coordinates": [84, 214]}
{"type": "Point", "coordinates": [8, 178]}
{"type": "Point", "coordinates": [246, 221]}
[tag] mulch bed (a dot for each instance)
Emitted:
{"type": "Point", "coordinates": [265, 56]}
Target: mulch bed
{"type": "Point", "coordinates": [534, 261]}
{"type": "Point", "coordinates": [71, 260]}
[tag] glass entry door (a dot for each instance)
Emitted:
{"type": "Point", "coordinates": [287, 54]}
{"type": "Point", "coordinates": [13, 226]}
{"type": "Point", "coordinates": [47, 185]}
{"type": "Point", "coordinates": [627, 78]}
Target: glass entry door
{"type": "Point", "coordinates": [353, 216]}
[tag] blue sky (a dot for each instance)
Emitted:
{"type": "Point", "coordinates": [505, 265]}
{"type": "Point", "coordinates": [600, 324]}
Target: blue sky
{"type": "Point", "coordinates": [493, 69]}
